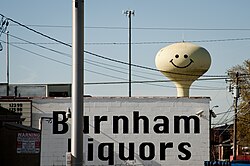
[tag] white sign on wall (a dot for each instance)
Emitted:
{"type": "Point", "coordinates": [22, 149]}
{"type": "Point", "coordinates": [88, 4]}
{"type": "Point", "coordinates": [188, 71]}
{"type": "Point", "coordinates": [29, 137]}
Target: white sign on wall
{"type": "Point", "coordinates": [148, 131]}
{"type": "Point", "coordinates": [19, 106]}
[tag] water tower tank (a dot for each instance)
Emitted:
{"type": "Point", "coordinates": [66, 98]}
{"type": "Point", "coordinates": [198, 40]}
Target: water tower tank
{"type": "Point", "coordinates": [183, 63]}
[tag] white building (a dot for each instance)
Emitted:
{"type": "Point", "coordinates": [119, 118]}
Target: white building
{"type": "Point", "coordinates": [119, 130]}
{"type": "Point", "coordinates": [127, 131]}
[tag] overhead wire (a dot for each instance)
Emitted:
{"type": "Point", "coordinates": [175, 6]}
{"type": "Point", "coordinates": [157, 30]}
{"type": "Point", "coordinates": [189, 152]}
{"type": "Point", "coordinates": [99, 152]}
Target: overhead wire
{"type": "Point", "coordinates": [230, 119]}
{"type": "Point", "coordinates": [141, 28]}
{"type": "Point", "coordinates": [45, 57]}
{"type": "Point", "coordinates": [154, 42]}
{"type": "Point", "coordinates": [110, 82]}
{"type": "Point", "coordinates": [98, 64]}
{"type": "Point", "coordinates": [68, 55]}
{"type": "Point", "coordinates": [100, 56]}
{"type": "Point", "coordinates": [65, 54]}
{"type": "Point", "coordinates": [62, 53]}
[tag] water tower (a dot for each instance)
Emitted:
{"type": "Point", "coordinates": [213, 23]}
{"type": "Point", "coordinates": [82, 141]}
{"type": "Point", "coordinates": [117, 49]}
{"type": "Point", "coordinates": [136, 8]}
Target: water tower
{"type": "Point", "coordinates": [183, 63]}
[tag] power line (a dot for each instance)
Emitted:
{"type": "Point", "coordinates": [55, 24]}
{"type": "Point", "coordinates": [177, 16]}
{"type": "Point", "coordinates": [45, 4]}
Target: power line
{"type": "Point", "coordinates": [100, 56]}
{"type": "Point", "coordinates": [154, 42]}
{"type": "Point", "coordinates": [154, 81]}
{"type": "Point", "coordinates": [141, 28]}
{"type": "Point", "coordinates": [38, 45]}
{"type": "Point", "coordinates": [150, 82]}
{"type": "Point", "coordinates": [57, 61]}
{"type": "Point", "coordinates": [149, 68]}
{"type": "Point", "coordinates": [106, 83]}
{"type": "Point", "coordinates": [69, 55]}
{"type": "Point", "coordinates": [35, 31]}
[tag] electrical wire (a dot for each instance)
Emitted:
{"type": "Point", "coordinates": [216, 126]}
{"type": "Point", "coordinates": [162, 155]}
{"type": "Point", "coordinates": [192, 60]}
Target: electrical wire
{"type": "Point", "coordinates": [68, 55]}
{"type": "Point", "coordinates": [100, 56]}
{"type": "Point", "coordinates": [156, 42]}
{"type": "Point", "coordinates": [34, 53]}
{"type": "Point", "coordinates": [70, 46]}
{"type": "Point", "coordinates": [103, 74]}
{"type": "Point", "coordinates": [149, 68]}
{"type": "Point", "coordinates": [141, 28]}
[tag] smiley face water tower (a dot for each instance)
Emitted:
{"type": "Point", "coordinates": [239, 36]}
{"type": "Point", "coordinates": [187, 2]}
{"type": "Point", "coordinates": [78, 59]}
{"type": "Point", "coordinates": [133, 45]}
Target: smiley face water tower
{"type": "Point", "coordinates": [183, 63]}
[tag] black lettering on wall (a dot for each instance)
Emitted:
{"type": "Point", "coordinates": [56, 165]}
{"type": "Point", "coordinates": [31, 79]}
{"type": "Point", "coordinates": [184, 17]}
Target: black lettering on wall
{"type": "Point", "coordinates": [57, 122]}
{"type": "Point", "coordinates": [187, 153]}
{"type": "Point", "coordinates": [186, 119]}
{"type": "Point", "coordinates": [90, 149]}
{"type": "Point", "coordinates": [163, 148]}
{"type": "Point", "coordinates": [125, 124]}
{"type": "Point", "coordinates": [98, 120]}
{"type": "Point", "coordinates": [131, 149]}
{"type": "Point", "coordinates": [161, 127]}
{"type": "Point", "coordinates": [151, 151]}
{"type": "Point", "coordinates": [85, 124]}
{"type": "Point", "coordinates": [145, 122]}
{"type": "Point", "coordinates": [110, 150]}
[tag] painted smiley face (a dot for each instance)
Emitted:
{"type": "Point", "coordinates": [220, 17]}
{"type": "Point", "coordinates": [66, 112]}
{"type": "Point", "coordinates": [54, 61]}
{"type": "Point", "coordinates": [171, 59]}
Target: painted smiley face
{"type": "Point", "coordinates": [183, 63]}
{"type": "Point", "coordinates": [177, 56]}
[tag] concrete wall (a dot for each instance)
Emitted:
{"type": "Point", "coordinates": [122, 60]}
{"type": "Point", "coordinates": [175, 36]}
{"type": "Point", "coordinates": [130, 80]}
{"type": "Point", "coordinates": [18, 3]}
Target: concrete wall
{"type": "Point", "coordinates": [163, 144]}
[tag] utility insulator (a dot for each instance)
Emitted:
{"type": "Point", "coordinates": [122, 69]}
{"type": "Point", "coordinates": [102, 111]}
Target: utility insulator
{"type": "Point", "coordinates": [236, 92]}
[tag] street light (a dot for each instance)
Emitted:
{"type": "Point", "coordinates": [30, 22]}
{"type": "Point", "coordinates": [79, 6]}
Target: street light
{"type": "Point", "coordinates": [211, 115]}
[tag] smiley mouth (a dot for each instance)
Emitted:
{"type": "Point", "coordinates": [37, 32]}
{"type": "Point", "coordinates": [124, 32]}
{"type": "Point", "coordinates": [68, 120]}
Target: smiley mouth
{"type": "Point", "coordinates": [181, 67]}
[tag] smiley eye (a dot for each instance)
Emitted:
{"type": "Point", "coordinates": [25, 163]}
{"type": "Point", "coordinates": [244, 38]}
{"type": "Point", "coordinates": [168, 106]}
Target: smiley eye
{"type": "Point", "coordinates": [185, 56]}
{"type": "Point", "coordinates": [176, 56]}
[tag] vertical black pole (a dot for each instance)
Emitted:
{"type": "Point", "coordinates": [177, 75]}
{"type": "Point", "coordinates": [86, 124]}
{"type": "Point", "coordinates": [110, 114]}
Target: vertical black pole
{"type": "Point", "coordinates": [129, 50]}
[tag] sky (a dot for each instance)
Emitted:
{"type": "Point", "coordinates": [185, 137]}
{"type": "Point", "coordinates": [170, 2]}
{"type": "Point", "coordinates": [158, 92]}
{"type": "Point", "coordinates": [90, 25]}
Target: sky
{"type": "Point", "coordinates": [222, 27]}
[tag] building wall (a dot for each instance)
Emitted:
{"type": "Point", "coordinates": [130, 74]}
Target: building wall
{"type": "Point", "coordinates": [163, 144]}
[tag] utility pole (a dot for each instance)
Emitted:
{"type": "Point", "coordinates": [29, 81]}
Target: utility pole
{"type": "Point", "coordinates": [77, 82]}
{"type": "Point", "coordinates": [211, 114]}
{"type": "Point", "coordinates": [7, 64]}
{"type": "Point", "coordinates": [129, 13]}
{"type": "Point", "coordinates": [237, 95]}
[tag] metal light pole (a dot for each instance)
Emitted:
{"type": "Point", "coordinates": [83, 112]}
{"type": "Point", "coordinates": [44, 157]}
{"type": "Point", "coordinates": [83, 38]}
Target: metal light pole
{"type": "Point", "coordinates": [129, 13]}
{"type": "Point", "coordinates": [77, 82]}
